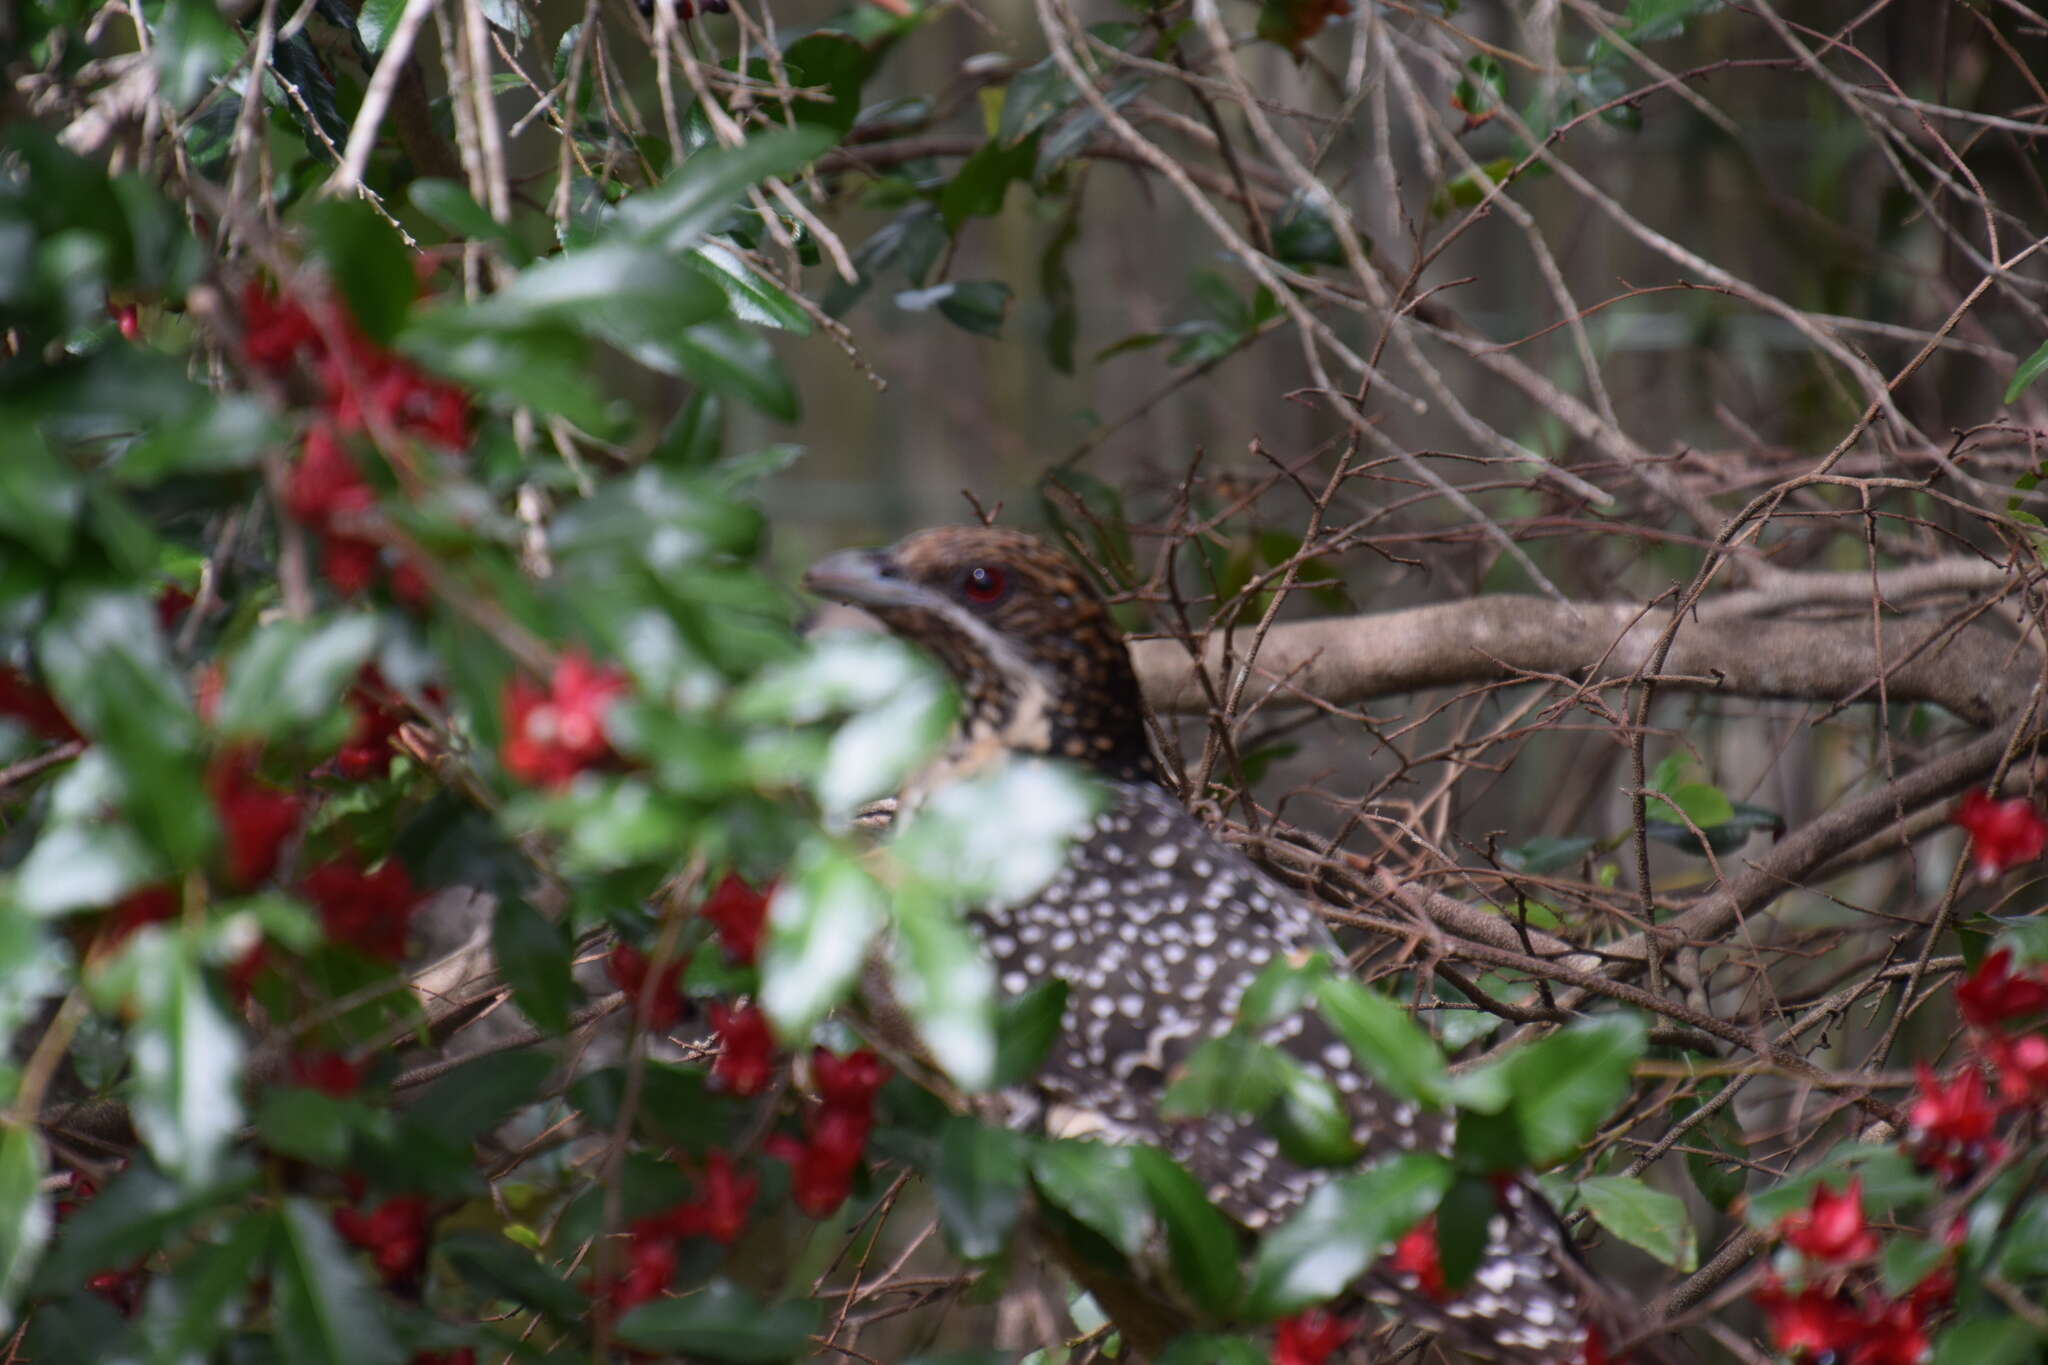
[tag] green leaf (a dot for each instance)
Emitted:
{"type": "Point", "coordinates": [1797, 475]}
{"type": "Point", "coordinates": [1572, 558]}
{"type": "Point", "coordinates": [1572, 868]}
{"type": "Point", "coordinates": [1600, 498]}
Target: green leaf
{"type": "Point", "coordinates": [1462, 1216]}
{"type": "Point", "coordinates": [366, 261]}
{"type": "Point", "coordinates": [84, 858]}
{"type": "Point", "coordinates": [1026, 1027]}
{"type": "Point", "coordinates": [106, 663]}
{"type": "Point", "coordinates": [375, 20]}
{"type": "Point", "coordinates": [979, 1181]}
{"type": "Point", "coordinates": [292, 673]}
{"type": "Point", "coordinates": [943, 982]}
{"type": "Point", "coordinates": [508, 1271]}
{"type": "Point", "coordinates": [820, 921]}
{"type": "Point", "coordinates": [326, 1312]}
{"type": "Point", "coordinates": [546, 368]}
{"type": "Point", "coordinates": [187, 1058]}
{"type": "Point", "coordinates": [1281, 987]}
{"type": "Point", "coordinates": [999, 837]}
{"type": "Point", "coordinates": [1200, 1240]}
{"type": "Point", "coordinates": [311, 1126]}
{"type": "Point", "coordinates": [1340, 1230]}
{"type": "Point", "coordinates": [697, 436]}
{"type": "Point", "coordinates": [1565, 1084]}
{"type": "Point", "coordinates": [1099, 1185]}
{"type": "Point", "coordinates": [751, 295]}
{"type": "Point", "coordinates": [1701, 802]}
{"type": "Point", "coordinates": [738, 362]}
{"type": "Point", "coordinates": [1207, 1348]}
{"type": "Point", "coordinates": [136, 1214]}
{"type": "Point", "coordinates": [24, 1214]}
{"type": "Point", "coordinates": [1727, 837]}
{"type": "Point", "coordinates": [1036, 95]}
{"type": "Point", "coordinates": [1988, 1341]}
{"type": "Point", "coordinates": [1643, 1217]}
{"type": "Point", "coordinates": [978, 306]}
{"type": "Point", "coordinates": [1303, 235]}
{"type": "Point", "coordinates": [724, 1322]}
{"type": "Point", "coordinates": [599, 290]}
{"type": "Point", "coordinates": [677, 213]}
{"type": "Point", "coordinates": [836, 62]}
{"type": "Point", "coordinates": [1392, 1047]}
{"type": "Point", "coordinates": [1543, 855]}
{"type": "Point", "coordinates": [188, 1323]}
{"type": "Point", "coordinates": [1229, 1074]}
{"type": "Point", "coordinates": [193, 42]}
{"type": "Point", "coordinates": [450, 205]}
{"type": "Point", "coordinates": [225, 434]}
{"type": "Point", "coordinates": [1310, 1122]}
{"type": "Point", "coordinates": [478, 1095]}
{"type": "Point", "coordinates": [977, 189]}
{"type": "Point", "coordinates": [39, 497]}
{"type": "Point", "coordinates": [2028, 371]}
{"type": "Point", "coordinates": [1888, 1176]}
{"type": "Point", "coordinates": [533, 953]}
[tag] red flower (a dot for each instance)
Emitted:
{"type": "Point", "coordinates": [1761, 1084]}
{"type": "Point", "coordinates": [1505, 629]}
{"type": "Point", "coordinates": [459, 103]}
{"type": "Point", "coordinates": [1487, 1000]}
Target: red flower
{"type": "Point", "coordinates": [1416, 1254]}
{"type": "Point", "coordinates": [746, 1061]}
{"type": "Point", "coordinates": [121, 1288]}
{"type": "Point", "coordinates": [720, 1211]}
{"type": "Point", "coordinates": [1993, 994]}
{"type": "Point", "coordinates": [128, 319]}
{"type": "Point", "coordinates": [1951, 1125]}
{"type": "Point", "coordinates": [848, 1082]}
{"type": "Point", "coordinates": [256, 818]}
{"type": "Point", "coordinates": [554, 733]}
{"type": "Point", "coordinates": [367, 751]}
{"type": "Point", "coordinates": [738, 912]}
{"type": "Point", "coordinates": [628, 966]}
{"type": "Point", "coordinates": [650, 1265]}
{"type": "Point", "coordinates": [172, 602]}
{"type": "Point", "coordinates": [1832, 1227]}
{"type": "Point", "coordinates": [462, 1356]}
{"type": "Point", "coordinates": [1309, 1338]}
{"type": "Point", "coordinates": [325, 484]}
{"type": "Point", "coordinates": [349, 564]}
{"type": "Point", "coordinates": [1893, 1334]}
{"type": "Point", "coordinates": [1811, 1320]}
{"type": "Point", "coordinates": [2021, 1065]}
{"type": "Point", "coordinates": [394, 1233]}
{"type": "Point", "coordinates": [21, 700]}
{"type": "Point", "coordinates": [150, 905]}
{"type": "Point", "coordinates": [369, 911]}
{"type": "Point", "coordinates": [2002, 833]}
{"type": "Point", "coordinates": [274, 331]}
{"type": "Point", "coordinates": [1957, 1112]}
{"type": "Point", "coordinates": [330, 1073]}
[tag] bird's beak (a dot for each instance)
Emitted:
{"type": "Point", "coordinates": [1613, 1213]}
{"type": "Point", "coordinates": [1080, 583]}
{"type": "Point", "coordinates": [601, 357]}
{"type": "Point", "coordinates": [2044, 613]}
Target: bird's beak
{"type": "Point", "coordinates": [866, 578]}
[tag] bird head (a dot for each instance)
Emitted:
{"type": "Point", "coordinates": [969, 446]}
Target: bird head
{"type": "Point", "coordinates": [1040, 664]}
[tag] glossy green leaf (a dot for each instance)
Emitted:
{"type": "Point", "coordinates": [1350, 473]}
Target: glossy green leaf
{"type": "Point", "coordinates": [292, 673]}
{"type": "Point", "coordinates": [696, 438]}
{"type": "Point", "coordinates": [189, 1322]}
{"type": "Point", "coordinates": [546, 367]}
{"type": "Point", "coordinates": [1310, 1121]}
{"type": "Point", "coordinates": [820, 922]}
{"type": "Point", "coordinates": [1462, 1217]}
{"type": "Point", "coordinates": [311, 1126]}
{"type": "Point", "coordinates": [326, 1311]}
{"type": "Point", "coordinates": [1026, 1026]}
{"type": "Point", "coordinates": [509, 1271]}
{"type": "Point", "coordinates": [1989, 1341]}
{"type": "Point", "coordinates": [979, 1181]}
{"type": "Point", "coordinates": [1643, 1217]}
{"type": "Point", "coordinates": [1888, 1176]}
{"type": "Point", "coordinates": [999, 837]}
{"type": "Point", "coordinates": [943, 982]}
{"type": "Point", "coordinates": [1565, 1084]}
{"type": "Point", "coordinates": [39, 498]}
{"type": "Point", "coordinates": [1229, 1074]}
{"type": "Point", "coordinates": [193, 43]}
{"type": "Point", "coordinates": [450, 205]}
{"type": "Point", "coordinates": [1343, 1227]}
{"type": "Point", "coordinates": [751, 296]}
{"type": "Point", "coordinates": [480, 1094]}
{"type": "Point", "coordinates": [1390, 1045]}
{"type": "Point", "coordinates": [1211, 1349]}
{"type": "Point", "coordinates": [736, 361]}
{"type": "Point", "coordinates": [978, 188]}
{"type": "Point", "coordinates": [533, 953]}
{"type": "Point", "coordinates": [979, 306]}
{"type": "Point", "coordinates": [1701, 802]}
{"type": "Point", "coordinates": [680, 211]}
{"type": "Point", "coordinates": [2029, 370]}
{"type": "Point", "coordinates": [1099, 1185]}
{"type": "Point", "coordinates": [187, 1057]}
{"type": "Point", "coordinates": [1543, 855]}
{"type": "Point", "coordinates": [598, 289]}
{"type": "Point", "coordinates": [1202, 1243]}
{"type": "Point", "coordinates": [366, 261]}
{"type": "Point", "coordinates": [1282, 986]}
{"type": "Point", "coordinates": [724, 1322]}
{"type": "Point", "coordinates": [24, 1214]}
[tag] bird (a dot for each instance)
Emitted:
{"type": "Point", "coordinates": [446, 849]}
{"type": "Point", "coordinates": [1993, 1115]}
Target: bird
{"type": "Point", "coordinates": [1158, 926]}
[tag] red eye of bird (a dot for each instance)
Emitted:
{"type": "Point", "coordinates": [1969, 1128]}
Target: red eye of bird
{"type": "Point", "coordinates": [983, 585]}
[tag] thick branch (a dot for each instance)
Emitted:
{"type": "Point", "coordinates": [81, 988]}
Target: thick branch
{"type": "Point", "coordinates": [1973, 672]}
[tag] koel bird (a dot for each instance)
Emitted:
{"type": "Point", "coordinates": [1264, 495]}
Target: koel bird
{"type": "Point", "coordinates": [1158, 927]}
